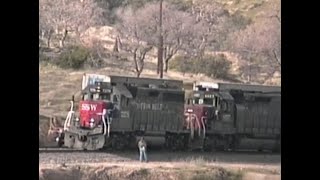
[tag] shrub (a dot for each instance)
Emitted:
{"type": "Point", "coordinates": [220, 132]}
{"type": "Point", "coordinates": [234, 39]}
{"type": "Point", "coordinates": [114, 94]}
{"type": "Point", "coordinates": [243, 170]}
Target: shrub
{"type": "Point", "coordinates": [43, 57]}
{"type": "Point", "coordinates": [213, 66]}
{"type": "Point", "coordinates": [73, 57]}
{"type": "Point", "coordinates": [216, 66]}
{"type": "Point", "coordinates": [181, 63]}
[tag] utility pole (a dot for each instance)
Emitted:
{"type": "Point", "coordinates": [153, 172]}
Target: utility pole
{"type": "Point", "coordinates": [160, 47]}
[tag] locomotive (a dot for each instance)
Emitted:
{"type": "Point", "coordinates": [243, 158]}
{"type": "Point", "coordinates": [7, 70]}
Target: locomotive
{"type": "Point", "coordinates": [225, 116]}
{"type": "Point", "coordinates": [115, 110]}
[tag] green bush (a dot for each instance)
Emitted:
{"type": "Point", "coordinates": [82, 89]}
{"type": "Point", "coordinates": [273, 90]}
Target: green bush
{"type": "Point", "coordinates": [213, 66]}
{"type": "Point", "coordinates": [43, 57]}
{"type": "Point", "coordinates": [73, 57]}
{"type": "Point", "coordinates": [182, 64]}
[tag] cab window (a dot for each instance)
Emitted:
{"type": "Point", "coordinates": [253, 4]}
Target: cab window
{"type": "Point", "coordinates": [208, 101]}
{"type": "Point", "coordinates": [224, 106]}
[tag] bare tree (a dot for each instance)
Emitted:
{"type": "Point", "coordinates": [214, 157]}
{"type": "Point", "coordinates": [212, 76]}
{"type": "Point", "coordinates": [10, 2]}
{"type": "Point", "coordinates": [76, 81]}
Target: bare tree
{"type": "Point", "coordinates": [177, 28]}
{"type": "Point", "coordinates": [136, 37]}
{"type": "Point", "coordinates": [64, 16]}
{"type": "Point", "coordinates": [211, 18]}
{"type": "Point", "coordinates": [261, 40]}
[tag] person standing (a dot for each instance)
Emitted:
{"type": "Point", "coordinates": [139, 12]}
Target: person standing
{"type": "Point", "coordinates": [142, 144]}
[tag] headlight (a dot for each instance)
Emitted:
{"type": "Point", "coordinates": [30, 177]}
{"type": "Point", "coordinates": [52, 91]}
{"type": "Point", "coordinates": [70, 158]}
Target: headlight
{"type": "Point", "coordinates": [91, 124]}
{"type": "Point", "coordinates": [91, 120]}
{"type": "Point", "coordinates": [77, 119]}
{"type": "Point", "coordinates": [189, 110]}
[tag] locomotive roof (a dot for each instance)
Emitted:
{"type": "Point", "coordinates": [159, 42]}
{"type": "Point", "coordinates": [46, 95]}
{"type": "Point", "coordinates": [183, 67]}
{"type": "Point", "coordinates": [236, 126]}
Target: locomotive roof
{"type": "Point", "coordinates": [223, 94]}
{"type": "Point", "coordinates": [247, 87]}
{"type": "Point", "coordinates": [167, 83]}
{"type": "Point", "coordinates": [162, 89]}
{"type": "Point", "coordinates": [100, 85]}
{"type": "Point", "coordinates": [234, 86]}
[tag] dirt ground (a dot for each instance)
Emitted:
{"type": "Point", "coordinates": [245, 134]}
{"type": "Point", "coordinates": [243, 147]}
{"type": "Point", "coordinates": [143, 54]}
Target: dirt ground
{"type": "Point", "coordinates": [157, 171]}
{"type": "Point", "coordinates": [162, 166]}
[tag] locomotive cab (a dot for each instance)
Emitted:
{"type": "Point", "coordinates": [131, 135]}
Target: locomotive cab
{"type": "Point", "coordinates": [95, 100]}
{"type": "Point", "coordinates": [88, 130]}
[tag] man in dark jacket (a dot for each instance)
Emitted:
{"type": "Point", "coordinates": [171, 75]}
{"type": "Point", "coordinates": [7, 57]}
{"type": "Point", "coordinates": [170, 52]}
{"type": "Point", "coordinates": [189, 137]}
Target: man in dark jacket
{"type": "Point", "coordinates": [142, 144]}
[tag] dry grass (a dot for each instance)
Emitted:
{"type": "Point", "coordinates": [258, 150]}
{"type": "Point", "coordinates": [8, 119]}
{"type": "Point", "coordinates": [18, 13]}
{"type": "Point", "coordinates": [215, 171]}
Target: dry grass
{"type": "Point", "coordinates": [118, 172]}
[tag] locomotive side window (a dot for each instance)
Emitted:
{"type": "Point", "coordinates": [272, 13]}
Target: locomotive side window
{"type": "Point", "coordinates": [96, 96]}
{"type": "Point", "coordinates": [105, 96]}
{"type": "Point", "coordinates": [116, 101]}
{"type": "Point", "coordinates": [85, 97]}
{"type": "Point", "coordinates": [115, 98]}
{"type": "Point", "coordinates": [216, 101]}
{"type": "Point", "coordinates": [225, 106]}
{"type": "Point", "coordinates": [198, 101]}
{"type": "Point", "coordinates": [124, 101]}
{"type": "Point", "coordinates": [208, 101]}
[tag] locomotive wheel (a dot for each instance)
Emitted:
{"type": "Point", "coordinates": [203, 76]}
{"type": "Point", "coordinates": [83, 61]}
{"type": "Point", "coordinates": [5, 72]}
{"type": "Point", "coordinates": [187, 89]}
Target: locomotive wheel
{"type": "Point", "coordinates": [60, 143]}
{"type": "Point", "coordinates": [118, 142]}
{"type": "Point", "coordinates": [277, 148]}
{"type": "Point", "coordinates": [180, 142]}
{"type": "Point", "coordinates": [168, 144]}
{"type": "Point", "coordinates": [208, 144]}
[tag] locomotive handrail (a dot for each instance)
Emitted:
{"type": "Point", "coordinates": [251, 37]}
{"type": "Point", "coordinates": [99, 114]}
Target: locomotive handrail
{"type": "Point", "coordinates": [204, 126]}
{"type": "Point", "coordinates": [199, 125]}
{"type": "Point", "coordinates": [104, 123]}
{"type": "Point", "coordinates": [191, 126]}
{"type": "Point", "coordinates": [106, 129]}
{"type": "Point", "coordinates": [193, 116]}
{"type": "Point", "coordinates": [67, 121]}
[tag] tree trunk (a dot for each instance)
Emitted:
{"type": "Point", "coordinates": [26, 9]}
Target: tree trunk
{"type": "Point", "coordinates": [136, 62]}
{"type": "Point", "coordinates": [115, 46]}
{"type": "Point", "coordinates": [49, 39]}
{"type": "Point", "coordinates": [276, 57]}
{"type": "Point", "coordinates": [160, 48]}
{"type": "Point", "coordinates": [166, 66]}
{"type": "Point", "coordinates": [160, 56]}
{"type": "Point", "coordinates": [64, 36]}
{"type": "Point", "coordinates": [138, 74]}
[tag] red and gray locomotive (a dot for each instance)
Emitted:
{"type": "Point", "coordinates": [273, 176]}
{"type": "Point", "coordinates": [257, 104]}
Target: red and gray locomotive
{"type": "Point", "coordinates": [115, 110]}
{"type": "Point", "coordinates": [226, 116]}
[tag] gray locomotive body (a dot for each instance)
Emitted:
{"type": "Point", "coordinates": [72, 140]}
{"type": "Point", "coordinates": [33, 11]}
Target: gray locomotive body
{"type": "Point", "coordinates": [147, 107]}
{"type": "Point", "coordinates": [258, 121]}
{"type": "Point", "coordinates": [237, 116]}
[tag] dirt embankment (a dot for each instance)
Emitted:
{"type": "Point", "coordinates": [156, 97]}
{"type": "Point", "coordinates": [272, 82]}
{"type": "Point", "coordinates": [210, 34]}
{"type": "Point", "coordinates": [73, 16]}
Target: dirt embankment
{"type": "Point", "coordinates": [117, 172]}
{"type": "Point", "coordinates": [162, 166]}
{"type": "Point", "coordinates": [144, 171]}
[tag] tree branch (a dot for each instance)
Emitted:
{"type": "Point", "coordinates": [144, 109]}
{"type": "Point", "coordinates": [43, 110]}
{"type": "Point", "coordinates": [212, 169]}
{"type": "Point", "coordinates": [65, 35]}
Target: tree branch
{"type": "Point", "coordinates": [276, 57]}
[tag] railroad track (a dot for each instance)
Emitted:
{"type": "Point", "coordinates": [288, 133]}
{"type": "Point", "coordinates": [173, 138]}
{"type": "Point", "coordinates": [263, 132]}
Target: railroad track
{"type": "Point", "coordinates": [63, 155]}
{"type": "Point", "coordinates": [68, 150]}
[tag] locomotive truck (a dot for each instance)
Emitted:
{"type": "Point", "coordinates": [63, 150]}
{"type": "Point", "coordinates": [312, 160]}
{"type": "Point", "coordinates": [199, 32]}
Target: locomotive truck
{"type": "Point", "coordinates": [226, 116]}
{"type": "Point", "coordinates": [115, 110]}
